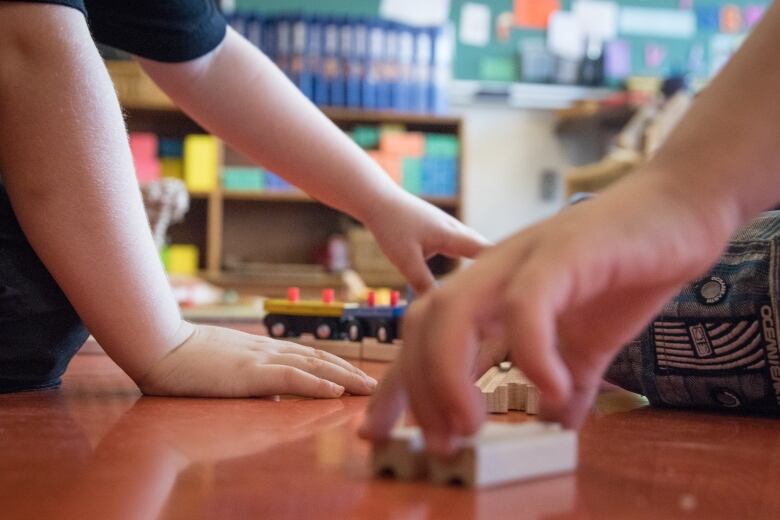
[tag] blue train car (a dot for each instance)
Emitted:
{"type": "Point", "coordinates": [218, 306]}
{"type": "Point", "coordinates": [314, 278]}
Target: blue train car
{"type": "Point", "coordinates": [382, 322]}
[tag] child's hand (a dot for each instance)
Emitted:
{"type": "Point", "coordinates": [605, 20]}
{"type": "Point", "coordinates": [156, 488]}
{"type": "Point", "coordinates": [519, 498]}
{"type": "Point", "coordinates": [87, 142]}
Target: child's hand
{"type": "Point", "coordinates": [219, 362]}
{"type": "Point", "coordinates": [563, 296]}
{"type": "Point", "coordinates": [409, 231]}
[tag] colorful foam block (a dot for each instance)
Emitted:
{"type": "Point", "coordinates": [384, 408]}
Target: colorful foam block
{"type": "Point", "coordinates": [143, 147]}
{"type": "Point", "coordinates": [181, 259]}
{"type": "Point", "coordinates": [243, 178]}
{"type": "Point", "coordinates": [441, 145]}
{"type": "Point", "coordinates": [366, 137]}
{"type": "Point", "coordinates": [403, 144]}
{"type": "Point", "coordinates": [201, 162]}
{"type": "Point", "coordinates": [412, 175]}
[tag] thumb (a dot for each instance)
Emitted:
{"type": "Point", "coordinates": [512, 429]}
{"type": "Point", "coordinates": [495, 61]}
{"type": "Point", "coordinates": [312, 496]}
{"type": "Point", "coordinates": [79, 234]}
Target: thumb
{"type": "Point", "coordinates": [385, 408]}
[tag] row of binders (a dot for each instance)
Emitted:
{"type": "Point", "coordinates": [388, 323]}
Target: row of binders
{"type": "Point", "coordinates": [360, 63]}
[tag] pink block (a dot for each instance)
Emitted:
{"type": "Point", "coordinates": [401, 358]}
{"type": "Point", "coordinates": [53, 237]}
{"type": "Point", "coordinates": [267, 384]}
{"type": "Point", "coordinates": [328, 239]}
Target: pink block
{"type": "Point", "coordinates": [143, 145]}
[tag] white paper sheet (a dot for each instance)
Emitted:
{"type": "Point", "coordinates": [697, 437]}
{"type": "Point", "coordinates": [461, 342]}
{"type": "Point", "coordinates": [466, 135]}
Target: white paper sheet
{"type": "Point", "coordinates": [564, 35]}
{"type": "Point", "coordinates": [668, 23]}
{"type": "Point", "coordinates": [597, 18]}
{"type": "Point", "coordinates": [474, 24]}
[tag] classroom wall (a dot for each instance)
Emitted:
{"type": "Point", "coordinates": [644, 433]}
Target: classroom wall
{"type": "Point", "coordinates": [506, 149]}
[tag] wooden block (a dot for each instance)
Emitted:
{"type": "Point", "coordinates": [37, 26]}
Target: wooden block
{"type": "Point", "coordinates": [502, 453]}
{"type": "Point", "coordinates": [342, 349]}
{"type": "Point", "coordinates": [532, 405]}
{"type": "Point", "coordinates": [402, 456]}
{"type": "Point", "coordinates": [373, 350]}
{"type": "Point", "coordinates": [506, 388]}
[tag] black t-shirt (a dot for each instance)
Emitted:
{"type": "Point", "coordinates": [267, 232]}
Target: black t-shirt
{"type": "Point", "coordinates": [162, 30]}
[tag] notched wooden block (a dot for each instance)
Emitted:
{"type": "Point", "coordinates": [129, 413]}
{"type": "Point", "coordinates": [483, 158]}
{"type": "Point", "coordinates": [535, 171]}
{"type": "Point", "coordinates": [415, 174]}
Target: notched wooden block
{"type": "Point", "coordinates": [506, 388]}
{"type": "Point", "coordinates": [498, 454]}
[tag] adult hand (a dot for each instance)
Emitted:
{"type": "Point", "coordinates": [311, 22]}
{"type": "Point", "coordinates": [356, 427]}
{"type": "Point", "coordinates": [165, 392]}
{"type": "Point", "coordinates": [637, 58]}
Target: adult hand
{"type": "Point", "coordinates": [219, 362]}
{"type": "Point", "coordinates": [563, 296]}
{"type": "Point", "coordinates": [410, 230]}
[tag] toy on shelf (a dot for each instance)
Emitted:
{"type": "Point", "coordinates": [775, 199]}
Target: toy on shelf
{"type": "Point", "coordinates": [369, 331]}
{"type": "Point", "coordinates": [506, 388]}
{"type": "Point", "coordinates": [497, 454]}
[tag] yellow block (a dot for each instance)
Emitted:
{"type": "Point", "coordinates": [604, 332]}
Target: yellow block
{"type": "Point", "coordinates": [182, 259]}
{"type": "Point", "coordinates": [201, 162]}
{"type": "Point", "coordinates": [172, 167]}
{"type": "Point", "coordinates": [306, 308]}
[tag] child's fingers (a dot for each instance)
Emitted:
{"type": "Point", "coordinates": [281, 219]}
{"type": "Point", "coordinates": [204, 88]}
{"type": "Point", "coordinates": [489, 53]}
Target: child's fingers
{"type": "Point", "coordinates": [385, 407]}
{"type": "Point", "coordinates": [288, 347]}
{"type": "Point", "coordinates": [352, 382]}
{"type": "Point", "coordinates": [284, 379]}
{"type": "Point", "coordinates": [530, 332]}
{"type": "Point", "coordinates": [464, 242]}
{"type": "Point", "coordinates": [412, 265]}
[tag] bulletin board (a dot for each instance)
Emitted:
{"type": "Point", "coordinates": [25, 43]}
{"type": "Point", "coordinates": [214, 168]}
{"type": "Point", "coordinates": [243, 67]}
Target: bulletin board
{"type": "Point", "coordinates": [693, 55]}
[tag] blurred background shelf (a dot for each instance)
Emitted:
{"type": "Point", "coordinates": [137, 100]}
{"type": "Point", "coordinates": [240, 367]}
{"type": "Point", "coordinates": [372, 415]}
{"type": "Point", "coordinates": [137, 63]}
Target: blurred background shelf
{"type": "Point", "coordinates": [256, 240]}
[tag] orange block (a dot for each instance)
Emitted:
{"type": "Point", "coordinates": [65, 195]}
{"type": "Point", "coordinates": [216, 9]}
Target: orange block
{"type": "Point", "coordinates": [405, 144]}
{"type": "Point", "coordinates": [534, 13]}
{"type": "Point", "coordinates": [392, 164]}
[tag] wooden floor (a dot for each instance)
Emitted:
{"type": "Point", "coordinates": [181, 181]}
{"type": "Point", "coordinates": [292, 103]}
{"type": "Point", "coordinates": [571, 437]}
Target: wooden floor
{"type": "Point", "coordinates": [97, 449]}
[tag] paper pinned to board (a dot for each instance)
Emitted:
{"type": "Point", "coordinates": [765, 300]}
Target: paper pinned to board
{"type": "Point", "coordinates": [474, 28]}
{"type": "Point", "coordinates": [667, 23]}
{"type": "Point", "coordinates": [598, 18]}
{"type": "Point", "coordinates": [564, 36]}
{"type": "Point", "coordinates": [617, 59]}
{"type": "Point", "coordinates": [416, 12]}
{"type": "Point", "coordinates": [534, 14]}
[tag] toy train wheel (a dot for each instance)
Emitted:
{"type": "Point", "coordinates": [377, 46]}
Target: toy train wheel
{"type": "Point", "coordinates": [354, 330]}
{"type": "Point", "coordinates": [384, 333]}
{"type": "Point", "coordinates": [278, 328]}
{"type": "Point", "coordinates": [323, 330]}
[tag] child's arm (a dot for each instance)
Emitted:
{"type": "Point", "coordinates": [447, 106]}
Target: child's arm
{"type": "Point", "coordinates": [67, 168]}
{"type": "Point", "coordinates": [567, 293]}
{"type": "Point", "coordinates": [240, 95]}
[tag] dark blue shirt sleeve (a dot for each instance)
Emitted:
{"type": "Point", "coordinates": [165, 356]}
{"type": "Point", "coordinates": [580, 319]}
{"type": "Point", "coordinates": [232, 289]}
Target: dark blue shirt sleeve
{"type": "Point", "coordinates": [162, 30]}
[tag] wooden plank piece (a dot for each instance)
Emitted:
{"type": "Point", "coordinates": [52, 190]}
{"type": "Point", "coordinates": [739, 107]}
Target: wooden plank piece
{"type": "Point", "coordinates": [502, 453]}
{"type": "Point", "coordinates": [373, 350]}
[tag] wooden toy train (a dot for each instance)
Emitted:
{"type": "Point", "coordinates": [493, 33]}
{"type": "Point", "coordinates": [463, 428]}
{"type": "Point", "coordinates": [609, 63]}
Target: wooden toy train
{"type": "Point", "coordinates": [331, 320]}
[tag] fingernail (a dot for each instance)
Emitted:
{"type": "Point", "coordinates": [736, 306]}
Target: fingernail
{"type": "Point", "coordinates": [337, 389]}
{"type": "Point", "coordinates": [372, 383]}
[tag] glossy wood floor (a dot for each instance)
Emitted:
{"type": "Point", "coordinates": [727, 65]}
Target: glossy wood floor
{"type": "Point", "coordinates": [97, 449]}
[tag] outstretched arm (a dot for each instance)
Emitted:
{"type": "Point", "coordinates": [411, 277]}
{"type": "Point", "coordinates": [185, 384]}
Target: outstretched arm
{"type": "Point", "coordinates": [237, 93]}
{"type": "Point", "coordinates": [67, 168]}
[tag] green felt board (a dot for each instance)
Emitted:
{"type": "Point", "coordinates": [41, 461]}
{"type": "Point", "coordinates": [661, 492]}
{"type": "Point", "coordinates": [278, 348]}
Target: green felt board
{"type": "Point", "coordinates": [468, 60]}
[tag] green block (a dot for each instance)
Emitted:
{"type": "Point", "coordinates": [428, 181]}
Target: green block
{"type": "Point", "coordinates": [441, 145]}
{"type": "Point", "coordinates": [412, 175]}
{"type": "Point", "coordinates": [367, 137]}
{"type": "Point", "coordinates": [243, 178]}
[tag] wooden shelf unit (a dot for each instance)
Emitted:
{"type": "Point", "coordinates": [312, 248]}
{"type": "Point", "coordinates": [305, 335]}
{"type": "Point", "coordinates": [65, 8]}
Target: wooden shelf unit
{"type": "Point", "coordinates": [269, 226]}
